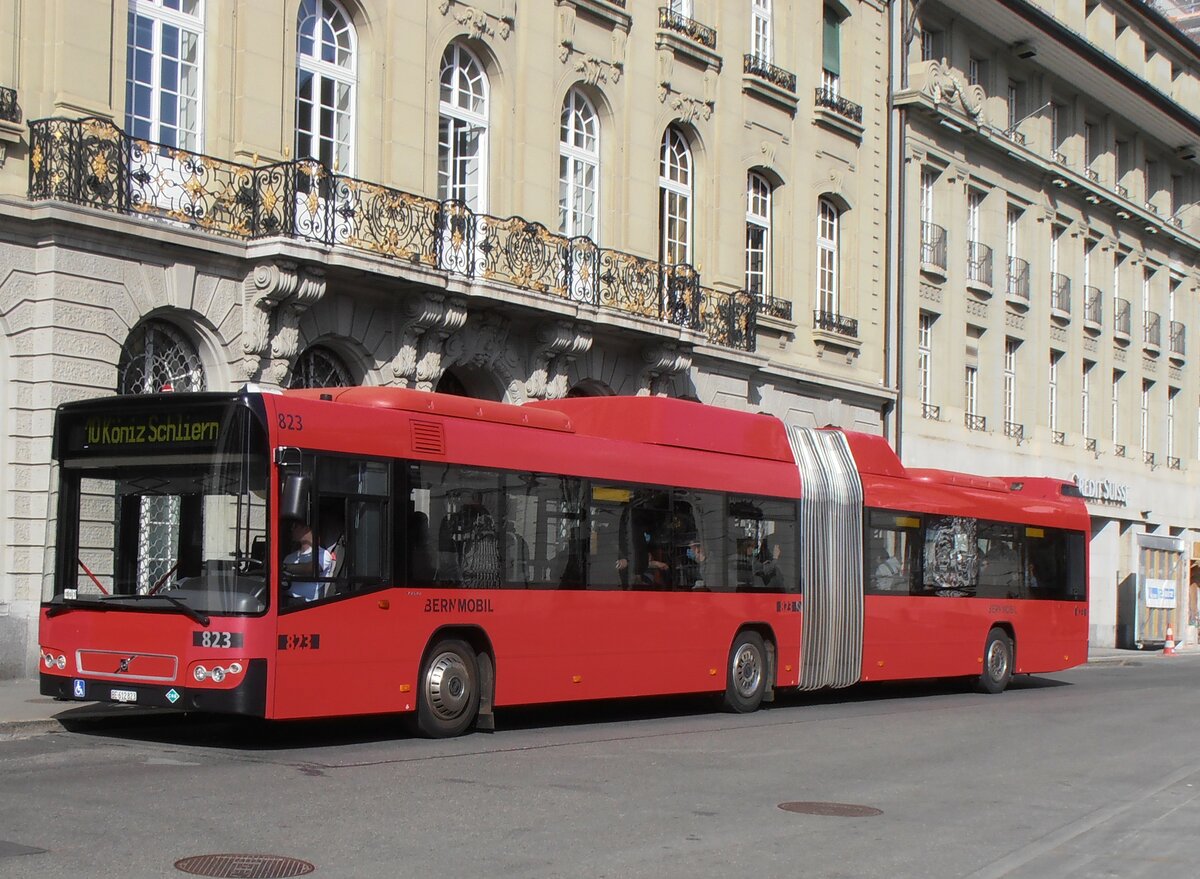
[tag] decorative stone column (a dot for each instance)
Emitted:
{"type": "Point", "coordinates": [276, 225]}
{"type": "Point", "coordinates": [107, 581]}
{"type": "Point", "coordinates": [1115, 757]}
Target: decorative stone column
{"type": "Point", "coordinates": [426, 321]}
{"type": "Point", "coordinates": [664, 361]}
{"type": "Point", "coordinates": [274, 296]}
{"type": "Point", "coordinates": [559, 342]}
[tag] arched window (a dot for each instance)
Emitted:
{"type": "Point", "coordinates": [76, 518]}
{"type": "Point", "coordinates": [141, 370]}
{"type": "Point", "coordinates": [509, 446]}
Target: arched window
{"type": "Point", "coordinates": [157, 357]}
{"type": "Point", "coordinates": [578, 167]}
{"type": "Point", "coordinates": [758, 235]}
{"type": "Point", "coordinates": [325, 78]}
{"type": "Point", "coordinates": [828, 298]}
{"type": "Point", "coordinates": [675, 207]}
{"type": "Point", "coordinates": [163, 79]}
{"type": "Point", "coordinates": [463, 129]}
{"type": "Point", "coordinates": [318, 367]}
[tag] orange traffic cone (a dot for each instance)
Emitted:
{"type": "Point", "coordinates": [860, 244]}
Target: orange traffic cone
{"type": "Point", "coordinates": [1169, 645]}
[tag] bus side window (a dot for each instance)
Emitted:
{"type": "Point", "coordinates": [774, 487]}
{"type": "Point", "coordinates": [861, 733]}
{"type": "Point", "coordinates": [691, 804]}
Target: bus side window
{"type": "Point", "coordinates": [1000, 569]}
{"type": "Point", "coordinates": [891, 554]}
{"type": "Point", "coordinates": [951, 563]}
{"type": "Point", "coordinates": [762, 546]}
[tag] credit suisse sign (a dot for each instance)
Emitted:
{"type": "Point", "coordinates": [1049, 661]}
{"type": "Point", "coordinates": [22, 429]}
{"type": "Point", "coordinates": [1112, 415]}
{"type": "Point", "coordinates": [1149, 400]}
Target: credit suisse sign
{"type": "Point", "coordinates": [1102, 491]}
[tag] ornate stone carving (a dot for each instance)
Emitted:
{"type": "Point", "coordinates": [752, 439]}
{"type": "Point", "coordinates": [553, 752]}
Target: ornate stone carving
{"type": "Point", "coordinates": [558, 344]}
{"type": "Point", "coordinates": [664, 361]}
{"type": "Point", "coordinates": [690, 109]}
{"type": "Point", "coordinates": [274, 296]}
{"type": "Point", "coordinates": [1016, 321]}
{"type": "Point", "coordinates": [940, 83]}
{"type": "Point", "coordinates": [426, 321]}
{"type": "Point", "coordinates": [977, 309]}
{"type": "Point", "coordinates": [931, 292]}
{"type": "Point", "coordinates": [478, 22]}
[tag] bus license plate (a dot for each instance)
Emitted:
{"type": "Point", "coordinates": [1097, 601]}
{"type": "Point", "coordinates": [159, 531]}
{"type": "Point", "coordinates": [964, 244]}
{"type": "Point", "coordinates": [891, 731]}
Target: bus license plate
{"type": "Point", "coordinates": [123, 695]}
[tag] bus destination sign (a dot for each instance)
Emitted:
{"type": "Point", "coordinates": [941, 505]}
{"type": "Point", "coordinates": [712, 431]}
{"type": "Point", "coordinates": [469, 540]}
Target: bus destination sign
{"type": "Point", "coordinates": [143, 431]}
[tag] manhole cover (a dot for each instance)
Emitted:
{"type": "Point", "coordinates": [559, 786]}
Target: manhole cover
{"type": "Point", "coordinates": [836, 810]}
{"type": "Point", "coordinates": [244, 866]}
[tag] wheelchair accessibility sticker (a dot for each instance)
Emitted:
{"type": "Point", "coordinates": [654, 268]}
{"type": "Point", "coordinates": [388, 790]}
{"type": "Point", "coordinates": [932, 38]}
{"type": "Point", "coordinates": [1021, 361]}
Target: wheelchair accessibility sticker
{"type": "Point", "coordinates": [79, 688]}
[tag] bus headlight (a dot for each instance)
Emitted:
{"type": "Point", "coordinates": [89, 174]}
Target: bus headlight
{"type": "Point", "coordinates": [200, 673]}
{"type": "Point", "coordinates": [48, 660]}
{"type": "Point", "coordinates": [61, 662]}
{"type": "Point", "coordinates": [218, 674]}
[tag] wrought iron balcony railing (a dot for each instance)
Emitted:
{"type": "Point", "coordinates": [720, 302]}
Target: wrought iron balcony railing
{"type": "Point", "coordinates": [1093, 305]}
{"type": "Point", "coordinates": [829, 98]}
{"type": "Point", "coordinates": [1058, 437]}
{"type": "Point", "coordinates": [1092, 175]}
{"type": "Point", "coordinates": [1060, 292]}
{"type": "Point", "coordinates": [1121, 318]}
{"type": "Point", "coordinates": [1119, 450]}
{"type": "Point", "coordinates": [764, 69]}
{"type": "Point", "coordinates": [979, 263]}
{"type": "Point", "coordinates": [1018, 278]}
{"type": "Point", "coordinates": [975, 422]}
{"type": "Point", "coordinates": [933, 245]}
{"type": "Point", "coordinates": [780, 308]}
{"type": "Point", "coordinates": [1178, 339]}
{"type": "Point", "coordinates": [1172, 463]}
{"type": "Point", "coordinates": [9, 110]}
{"type": "Point", "coordinates": [1148, 458]}
{"type": "Point", "coordinates": [1090, 444]}
{"type": "Point", "coordinates": [1014, 135]}
{"type": "Point", "coordinates": [1014, 430]}
{"type": "Point", "coordinates": [1151, 329]}
{"type": "Point", "coordinates": [670, 20]}
{"type": "Point", "coordinates": [931, 411]}
{"type": "Point", "coordinates": [832, 322]}
{"type": "Point", "coordinates": [93, 163]}
{"type": "Point", "coordinates": [1058, 157]}
{"type": "Point", "coordinates": [1122, 191]}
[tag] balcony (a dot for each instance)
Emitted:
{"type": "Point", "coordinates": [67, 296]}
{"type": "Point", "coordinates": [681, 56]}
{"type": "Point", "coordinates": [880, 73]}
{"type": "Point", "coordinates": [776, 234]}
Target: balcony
{"type": "Point", "coordinates": [1093, 309]}
{"type": "Point", "coordinates": [931, 412]}
{"type": "Point", "coordinates": [773, 307]}
{"type": "Point", "coordinates": [974, 422]}
{"type": "Point", "coordinates": [1178, 342]}
{"type": "Point", "coordinates": [764, 80]}
{"type": "Point", "coordinates": [1060, 297]}
{"type": "Point", "coordinates": [827, 98]}
{"type": "Point", "coordinates": [979, 267]}
{"type": "Point", "coordinates": [1092, 174]}
{"type": "Point", "coordinates": [1058, 157]}
{"type": "Point", "coordinates": [1090, 445]}
{"type": "Point", "coordinates": [1151, 332]}
{"type": "Point", "coordinates": [1017, 286]}
{"type": "Point", "coordinates": [1014, 430]}
{"type": "Point", "coordinates": [9, 111]}
{"type": "Point", "coordinates": [1119, 450]}
{"type": "Point", "coordinates": [838, 324]}
{"type": "Point", "coordinates": [91, 162]}
{"type": "Point", "coordinates": [933, 249]}
{"type": "Point", "coordinates": [1122, 322]}
{"type": "Point", "coordinates": [702, 34]}
{"type": "Point", "coordinates": [1148, 458]}
{"type": "Point", "coordinates": [1120, 190]}
{"type": "Point", "coordinates": [1173, 463]}
{"type": "Point", "coordinates": [1058, 437]}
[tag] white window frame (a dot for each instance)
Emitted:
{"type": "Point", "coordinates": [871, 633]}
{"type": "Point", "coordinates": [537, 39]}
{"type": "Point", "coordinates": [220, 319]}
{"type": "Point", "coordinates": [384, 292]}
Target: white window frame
{"type": "Point", "coordinates": [761, 30]}
{"type": "Point", "coordinates": [1085, 399]}
{"type": "Point", "coordinates": [925, 357]}
{"type": "Point", "coordinates": [758, 235]}
{"type": "Point", "coordinates": [675, 176]}
{"type": "Point", "coordinates": [339, 75]}
{"type": "Point", "coordinates": [971, 380]}
{"type": "Point", "coordinates": [463, 118]}
{"type": "Point", "coordinates": [828, 257]}
{"type": "Point", "coordinates": [1147, 387]}
{"type": "Point", "coordinates": [1115, 415]}
{"type": "Point", "coordinates": [579, 167]}
{"type": "Point", "coordinates": [1010, 380]}
{"type": "Point", "coordinates": [1172, 393]}
{"type": "Point", "coordinates": [1052, 390]}
{"type": "Point", "coordinates": [181, 132]}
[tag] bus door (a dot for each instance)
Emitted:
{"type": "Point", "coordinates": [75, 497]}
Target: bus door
{"type": "Point", "coordinates": [831, 510]}
{"type": "Point", "coordinates": [338, 630]}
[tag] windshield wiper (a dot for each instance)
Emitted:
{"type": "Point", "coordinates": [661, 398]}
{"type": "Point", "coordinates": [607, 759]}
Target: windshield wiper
{"type": "Point", "coordinates": [107, 603]}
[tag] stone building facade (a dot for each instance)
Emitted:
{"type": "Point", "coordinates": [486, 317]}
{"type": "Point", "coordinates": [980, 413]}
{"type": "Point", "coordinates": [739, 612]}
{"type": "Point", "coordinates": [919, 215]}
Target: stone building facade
{"type": "Point", "coordinates": [509, 199]}
{"type": "Point", "coordinates": [1049, 261]}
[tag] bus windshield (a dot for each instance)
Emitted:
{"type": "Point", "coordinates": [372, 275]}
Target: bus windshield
{"type": "Point", "coordinates": [163, 507]}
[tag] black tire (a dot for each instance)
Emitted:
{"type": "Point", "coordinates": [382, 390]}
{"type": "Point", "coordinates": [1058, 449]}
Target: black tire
{"type": "Point", "coordinates": [448, 701]}
{"type": "Point", "coordinates": [997, 662]}
{"type": "Point", "coordinates": [746, 681]}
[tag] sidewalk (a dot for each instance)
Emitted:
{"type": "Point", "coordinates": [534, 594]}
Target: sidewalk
{"type": "Point", "coordinates": [25, 712]}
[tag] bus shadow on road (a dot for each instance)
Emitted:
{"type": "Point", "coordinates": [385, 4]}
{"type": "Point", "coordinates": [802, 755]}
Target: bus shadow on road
{"type": "Point", "coordinates": [250, 734]}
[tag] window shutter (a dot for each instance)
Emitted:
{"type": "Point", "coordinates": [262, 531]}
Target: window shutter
{"type": "Point", "coordinates": [832, 60]}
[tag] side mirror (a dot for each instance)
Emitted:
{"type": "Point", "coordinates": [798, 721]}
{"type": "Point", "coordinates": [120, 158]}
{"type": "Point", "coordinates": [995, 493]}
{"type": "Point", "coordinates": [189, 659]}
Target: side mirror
{"type": "Point", "coordinates": [295, 496]}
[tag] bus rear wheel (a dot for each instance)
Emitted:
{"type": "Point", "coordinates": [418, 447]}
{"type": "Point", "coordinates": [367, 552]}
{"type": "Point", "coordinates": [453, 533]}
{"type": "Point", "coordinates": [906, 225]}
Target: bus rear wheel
{"type": "Point", "coordinates": [997, 662]}
{"type": "Point", "coordinates": [449, 696]}
{"type": "Point", "coordinates": [747, 673]}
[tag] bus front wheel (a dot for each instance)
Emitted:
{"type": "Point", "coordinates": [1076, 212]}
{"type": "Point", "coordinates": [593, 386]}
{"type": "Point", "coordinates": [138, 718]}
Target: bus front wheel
{"type": "Point", "coordinates": [449, 697]}
{"type": "Point", "coordinates": [747, 673]}
{"type": "Point", "coordinates": [997, 662]}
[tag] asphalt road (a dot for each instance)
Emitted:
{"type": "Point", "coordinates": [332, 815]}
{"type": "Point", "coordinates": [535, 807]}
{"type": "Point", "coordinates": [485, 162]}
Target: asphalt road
{"type": "Point", "coordinates": [1089, 773]}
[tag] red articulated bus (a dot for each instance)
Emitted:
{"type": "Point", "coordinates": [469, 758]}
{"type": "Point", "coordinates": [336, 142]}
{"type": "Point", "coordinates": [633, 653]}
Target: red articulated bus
{"type": "Point", "coordinates": [355, 551]}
